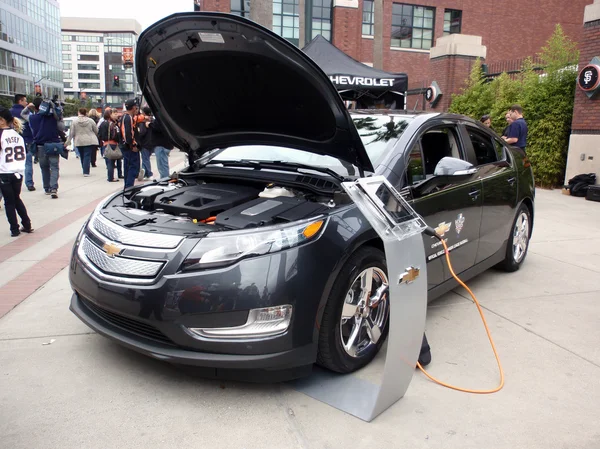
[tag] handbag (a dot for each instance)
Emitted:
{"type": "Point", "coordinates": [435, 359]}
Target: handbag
{"type": "Point", "coordinates": [54, 149]}
{"type": "Point", "coordinates": [113, 152]}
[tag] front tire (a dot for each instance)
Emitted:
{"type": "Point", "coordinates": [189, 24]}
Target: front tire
{"type": "Point", "coordinates": [518, 241]}
{"type": "Point", "coordinates": [355, 318]}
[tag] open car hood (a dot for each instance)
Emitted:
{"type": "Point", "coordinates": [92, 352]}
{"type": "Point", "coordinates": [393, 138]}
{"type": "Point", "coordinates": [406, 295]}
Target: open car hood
{"type": "Point", "coordinates": [216, 80]}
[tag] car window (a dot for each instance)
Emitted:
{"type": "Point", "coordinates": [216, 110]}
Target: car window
{"type": "Point", "coordinates": [438, 143]}
{"type": "Point", "coordinates": [415, 170]}
{"type": "Point", "coordinates": [483, 145]}
{"type": "Point", "coordinates": [500, 149]}
{"type": "Point", "coordinates": [380, 133]}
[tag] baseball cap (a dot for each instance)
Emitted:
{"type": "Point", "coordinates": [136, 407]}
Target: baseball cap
{"type": "Point", "coordinates": [129, 104]}
{"type": "Point", "coordinates": [5, 114]}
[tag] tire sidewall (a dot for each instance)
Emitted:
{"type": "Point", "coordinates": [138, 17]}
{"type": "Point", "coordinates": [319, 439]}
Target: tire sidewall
{"type": "Point", "coordinates": [364, 258]}
{"type": "Point", "coordinates": [511, 263]}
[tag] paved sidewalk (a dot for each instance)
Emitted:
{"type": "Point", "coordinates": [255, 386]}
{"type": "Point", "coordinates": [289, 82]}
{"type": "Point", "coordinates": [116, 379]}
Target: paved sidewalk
{"type": "Point", "coordinates": [63, 386]}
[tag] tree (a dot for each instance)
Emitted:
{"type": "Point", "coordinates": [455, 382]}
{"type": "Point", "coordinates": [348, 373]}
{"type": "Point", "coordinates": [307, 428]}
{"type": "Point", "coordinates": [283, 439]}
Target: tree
{"type": "Point", "coordinates": [547, 100]}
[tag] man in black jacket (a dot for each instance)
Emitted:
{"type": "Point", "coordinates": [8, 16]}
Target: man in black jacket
{"type": "Point", "coordinates": [162, 146]}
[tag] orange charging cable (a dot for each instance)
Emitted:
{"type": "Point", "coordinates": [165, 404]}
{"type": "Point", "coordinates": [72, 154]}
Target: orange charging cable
{"type": "Point", "coordinates": [487, 330]}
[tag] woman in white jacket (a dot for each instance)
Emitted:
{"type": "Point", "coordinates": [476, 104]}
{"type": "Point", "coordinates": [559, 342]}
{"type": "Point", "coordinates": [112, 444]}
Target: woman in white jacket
{"type": "Point", "coordinates": [12, 167]}
{"type": "Point", "coordinates": [84, 134]}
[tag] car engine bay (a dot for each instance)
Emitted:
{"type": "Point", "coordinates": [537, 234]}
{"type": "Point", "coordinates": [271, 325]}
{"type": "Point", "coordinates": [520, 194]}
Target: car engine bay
{"type": "Point", "coordinates": [193, 206]}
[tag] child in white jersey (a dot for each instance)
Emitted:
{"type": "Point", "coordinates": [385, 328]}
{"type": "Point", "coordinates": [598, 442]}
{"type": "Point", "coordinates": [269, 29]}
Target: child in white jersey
{"type": "Point", "coordinates": [12, 167]}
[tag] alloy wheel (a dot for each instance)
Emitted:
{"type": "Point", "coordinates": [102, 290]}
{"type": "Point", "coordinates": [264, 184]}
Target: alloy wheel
{"type": "Point", "coordinates": [365, 312]}
{"type": "Point", "coordinates": [520, 237]}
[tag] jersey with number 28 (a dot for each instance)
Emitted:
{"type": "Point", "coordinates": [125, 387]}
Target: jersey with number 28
{"type": "Point", "coordinates": [12, 152]}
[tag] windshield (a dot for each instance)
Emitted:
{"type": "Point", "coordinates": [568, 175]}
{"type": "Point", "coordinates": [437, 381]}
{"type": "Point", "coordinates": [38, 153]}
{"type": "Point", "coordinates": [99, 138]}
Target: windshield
{"type": "Point", "coordinates": [379, 134]}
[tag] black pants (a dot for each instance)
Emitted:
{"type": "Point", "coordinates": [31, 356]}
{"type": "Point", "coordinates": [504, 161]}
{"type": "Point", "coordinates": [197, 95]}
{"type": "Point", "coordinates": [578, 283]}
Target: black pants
{"type": "Point", "coordinates": [11, 191]}
{"type": "Point", "coordinates": [94, 155]}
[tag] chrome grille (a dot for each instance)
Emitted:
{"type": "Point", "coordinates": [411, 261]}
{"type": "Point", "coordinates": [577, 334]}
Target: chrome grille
{"type": "Point", "coordinates": [126, 236]}
{"type": "Point", "coordinates": [118, 266]}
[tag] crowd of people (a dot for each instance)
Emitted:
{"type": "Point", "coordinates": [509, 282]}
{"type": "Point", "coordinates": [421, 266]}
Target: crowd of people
{"type": "Point", "coordinates": [515, 132]}
{"type": "Point", "coordinates": [35, 133]}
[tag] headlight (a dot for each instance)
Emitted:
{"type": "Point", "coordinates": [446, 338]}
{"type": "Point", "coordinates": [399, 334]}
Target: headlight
{"type": "Point", "coordinates": [224, 248]}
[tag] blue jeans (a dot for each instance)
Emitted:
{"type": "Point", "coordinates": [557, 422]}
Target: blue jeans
{"type": "Point", "coordinates": [50, 169]}
{"type": "Point", "coordinates": [162, 161]}
{"type": "Point", "coordinates": [29, 165]}
{"type": "Point", "coordinates": [146, 165]}
{"type": "Point", "coordinates": [131, 163]}
{"type": "Point", "coordinates": [111, 164]}
{"type": "Point", "coordinates": [76, 151]}
{"type": "Point", "coordinates": [86, 157]}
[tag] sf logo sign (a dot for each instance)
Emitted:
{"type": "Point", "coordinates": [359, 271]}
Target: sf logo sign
{"type": "Point", "coordinates": [589, 79]}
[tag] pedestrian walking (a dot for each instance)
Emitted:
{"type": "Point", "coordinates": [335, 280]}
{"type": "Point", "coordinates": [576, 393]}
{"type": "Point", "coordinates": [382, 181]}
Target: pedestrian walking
{"type": "Point", "coordinates": [46, 138]}
{"type": "Point", "coordinates": [129, 143]}
{"type": "Point", "coordinates": [108, 132]}
{"type": "Point", "coordinates": [95, 116]}
{"type": "Point", "coordinates": [84, 135]}
{"type": "Point", "coordinates": [12, 167]}
{"type": "Point", "coordinates": [162, 147]}
{"type": "Point", "coordinates": [517, 131]}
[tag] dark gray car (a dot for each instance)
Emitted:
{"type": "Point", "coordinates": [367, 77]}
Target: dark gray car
{"type": "Point", "coordinates": [254, 257]}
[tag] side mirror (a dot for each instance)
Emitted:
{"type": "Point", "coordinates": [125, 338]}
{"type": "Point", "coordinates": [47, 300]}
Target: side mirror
{"type": "Point", "coordinates": [451, 166]}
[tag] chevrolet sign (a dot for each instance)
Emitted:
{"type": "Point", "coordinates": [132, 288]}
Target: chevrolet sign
{"type": "Point", "coordinates": [346, 80]}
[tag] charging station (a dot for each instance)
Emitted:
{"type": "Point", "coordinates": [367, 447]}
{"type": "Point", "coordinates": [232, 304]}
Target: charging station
{"type": "Point", "coordinates": [400, 228]}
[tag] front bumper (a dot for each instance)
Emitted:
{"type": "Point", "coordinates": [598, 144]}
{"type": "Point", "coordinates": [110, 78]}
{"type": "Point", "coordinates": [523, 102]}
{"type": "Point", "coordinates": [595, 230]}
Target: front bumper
{"type": "Point", "coordinates": [301, 356]}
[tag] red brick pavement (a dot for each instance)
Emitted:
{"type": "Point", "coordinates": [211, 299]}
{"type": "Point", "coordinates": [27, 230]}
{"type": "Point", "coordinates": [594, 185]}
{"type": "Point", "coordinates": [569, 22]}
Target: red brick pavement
{"type": "Point", "coordinates": [28, 240]}
{"type": "Point", "coordinates": [20, 288]}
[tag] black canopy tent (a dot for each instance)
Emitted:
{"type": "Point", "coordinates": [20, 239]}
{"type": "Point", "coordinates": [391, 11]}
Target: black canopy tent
{"type": "Point", "coordinates": [355, 80]}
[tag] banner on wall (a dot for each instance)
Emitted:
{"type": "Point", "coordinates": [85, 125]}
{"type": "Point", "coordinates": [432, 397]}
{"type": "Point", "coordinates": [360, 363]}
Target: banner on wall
{"type": "Point", "coordinates": [128, 57]}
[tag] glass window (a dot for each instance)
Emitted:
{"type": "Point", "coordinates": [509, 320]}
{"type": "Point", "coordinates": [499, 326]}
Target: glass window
{"type": "Point", "coordinates": [320, 20]}
{"type": "Point", "coordinates": [66, 56]}
{"type": "Point", "coordinates": [483, 145]}
{"type": "Point", "coordinates": [240, 8]}
{"type": "Point", "coordinates": [68, 85]}
{"type": "Point", "coordinates": [412, 26]}
{"type": "Point", "coordinates": [88, 57]}
{"type": "Point", "coordinates": [89, 85]}
{"type": "Point", "coordinates": [87, 67]}
{"type": "Point", "coordinates": [367, 17]}
{"type": "Point", "coordinates": [91, 48]}
{"type": "Point", "coordinates": [67, 75]}
{"type": "Point", "coordinates": [415, 170]}
{"type": "Point", "coordinates": [286, 20]}
{"type": "Point", "coordinates": [67, 66]}
{"type": "Point", "coordinates": [88, 76]}
{"type": "Point", "coordinates": [67, 37]}
{"type": "Point", "coordinates": [452, 21]}
{"type": "Point", "coordinates": [66, 47]}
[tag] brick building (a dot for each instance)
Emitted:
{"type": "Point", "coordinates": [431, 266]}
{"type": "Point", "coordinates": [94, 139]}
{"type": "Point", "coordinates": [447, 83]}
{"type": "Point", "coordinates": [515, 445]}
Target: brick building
{"type": "Point", "coordinates": [397, 36]}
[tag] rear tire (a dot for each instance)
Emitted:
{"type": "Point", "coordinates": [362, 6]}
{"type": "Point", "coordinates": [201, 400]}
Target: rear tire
{"type": "Point", "coordinates": [356, 316]}
{"type": "Point", "coordinates": [518, 241]}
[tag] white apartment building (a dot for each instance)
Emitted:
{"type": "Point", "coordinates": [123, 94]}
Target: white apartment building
{"type": "Point", "coordinates": [93, 67]}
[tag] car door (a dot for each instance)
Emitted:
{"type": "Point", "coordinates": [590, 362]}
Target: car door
{"type": "Point", "coordinates": [500, 189]}
{"type": "Point", "coordinates": [449, 204]}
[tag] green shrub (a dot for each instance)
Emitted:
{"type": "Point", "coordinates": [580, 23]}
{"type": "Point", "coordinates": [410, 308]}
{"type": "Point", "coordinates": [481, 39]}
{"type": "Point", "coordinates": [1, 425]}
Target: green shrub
{"type": "Point", "coordinates": [547, 102]}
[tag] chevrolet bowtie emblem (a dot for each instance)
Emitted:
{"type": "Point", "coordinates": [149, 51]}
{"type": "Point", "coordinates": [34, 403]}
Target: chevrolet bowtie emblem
{"type": "Point", "coordinates": [111, 249]}
{"type": "Point", "coordinates": [409, 275]}
{"type": "Point", "coordinates": [442, 228]}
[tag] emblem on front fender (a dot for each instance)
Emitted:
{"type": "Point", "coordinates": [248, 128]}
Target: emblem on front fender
{"type": "Point", "coordinates": [409, 275]}
{"type": "Point", "coordinates": [111, 249]}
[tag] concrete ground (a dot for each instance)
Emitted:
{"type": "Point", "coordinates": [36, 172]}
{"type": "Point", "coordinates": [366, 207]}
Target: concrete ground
{"type": "Point", "coordinates": [63, 386]}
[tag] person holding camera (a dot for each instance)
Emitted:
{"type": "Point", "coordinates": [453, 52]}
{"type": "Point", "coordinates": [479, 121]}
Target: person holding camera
{"type": "Point", "coordinates": [47, 139]}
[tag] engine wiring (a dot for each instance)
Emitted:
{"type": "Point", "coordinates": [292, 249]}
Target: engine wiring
{"type": "Point", "coordinates": [430, 231]}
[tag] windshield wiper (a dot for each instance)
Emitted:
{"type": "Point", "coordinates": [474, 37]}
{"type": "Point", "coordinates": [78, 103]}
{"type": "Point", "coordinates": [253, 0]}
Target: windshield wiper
{"type": "Point", "coordinates": [257, 165]}
{"type": "Point", "coordinates": [142, 222]}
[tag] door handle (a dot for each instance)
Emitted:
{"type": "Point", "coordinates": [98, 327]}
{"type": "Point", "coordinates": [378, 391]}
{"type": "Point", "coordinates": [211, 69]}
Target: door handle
{"type": "Point", "coordinates": [511, 181]}
{"type": "Point", "coordinates": [474, 194]}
